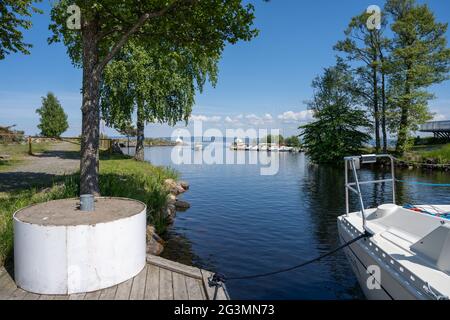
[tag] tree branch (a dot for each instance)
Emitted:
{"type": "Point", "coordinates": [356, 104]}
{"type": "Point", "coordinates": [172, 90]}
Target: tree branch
{"type": "Point", "coordinates": [142, 20]}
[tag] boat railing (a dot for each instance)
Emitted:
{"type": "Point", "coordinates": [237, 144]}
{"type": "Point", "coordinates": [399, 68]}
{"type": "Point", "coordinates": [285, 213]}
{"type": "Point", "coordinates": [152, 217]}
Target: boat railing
{"type": "Point", "coordinates": [353, 163]}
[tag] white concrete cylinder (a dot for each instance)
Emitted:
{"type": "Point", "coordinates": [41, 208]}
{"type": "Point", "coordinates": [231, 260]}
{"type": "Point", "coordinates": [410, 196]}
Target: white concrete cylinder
{"type": "Point", "coordinates": [61, 250]}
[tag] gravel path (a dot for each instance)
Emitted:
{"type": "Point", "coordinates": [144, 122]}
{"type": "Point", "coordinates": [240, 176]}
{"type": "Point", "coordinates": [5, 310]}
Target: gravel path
{"type": "Point", "coordinates": [41, 169]}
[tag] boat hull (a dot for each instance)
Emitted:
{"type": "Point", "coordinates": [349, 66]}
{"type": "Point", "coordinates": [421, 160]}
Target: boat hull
{"type": "Point", "coordinates": [385, 283]}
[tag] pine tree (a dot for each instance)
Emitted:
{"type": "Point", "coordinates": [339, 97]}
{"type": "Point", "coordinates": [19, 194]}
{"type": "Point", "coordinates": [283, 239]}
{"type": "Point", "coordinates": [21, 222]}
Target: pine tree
{"type": "Point", "coordinates": [53, 120]}
{"type": "Point", "coordinates": [420, 58]}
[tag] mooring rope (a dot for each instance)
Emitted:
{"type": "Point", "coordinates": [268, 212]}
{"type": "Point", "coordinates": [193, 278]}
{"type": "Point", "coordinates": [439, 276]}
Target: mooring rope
{"type": "Point", "coordinates": [419, 183]}
{"type": "Point", "coordinates": [217, 280]}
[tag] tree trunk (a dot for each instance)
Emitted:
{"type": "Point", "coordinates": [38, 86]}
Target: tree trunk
{"type": "Point", "coordinates": [90, 111]}
{"type": "Point", "coordinates": [140, 126]}
{"type": "Point", "coordinates": [375, 106]}
{"type": "Point", "coordinates": [383, 111]}
{"type": "Point", "coordinates": [403, 131]}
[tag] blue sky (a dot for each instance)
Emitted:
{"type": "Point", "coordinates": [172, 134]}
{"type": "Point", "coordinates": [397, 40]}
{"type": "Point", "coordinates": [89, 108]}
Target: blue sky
{"type": "Point", "coordinates": [262, 84]}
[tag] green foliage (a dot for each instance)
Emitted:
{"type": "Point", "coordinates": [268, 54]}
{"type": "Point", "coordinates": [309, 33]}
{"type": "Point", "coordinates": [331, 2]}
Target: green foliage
{"type": "Point", "coordinates": [440, 155]}
{"type": "Point", "coordinates": [159, 82]}
{"type": "Point", "coordinates": [119, 177]}
{"type": "Point", "coordinates": [204, 26]}
{"type": "Point", "coordinates": [293, 141]}
{"type": "Point", "coordinates": [336, 131]}
{"type": "Point", "coordinates": [365, 48]}
{"type": "Point", "coordinates": [277, 139]}
{"type": "Point", "coordinates": [53, 120]}
{"type": "Point", "coordinates": [419, 59]}
{"type": "Point", "coordinates": [14, 16]}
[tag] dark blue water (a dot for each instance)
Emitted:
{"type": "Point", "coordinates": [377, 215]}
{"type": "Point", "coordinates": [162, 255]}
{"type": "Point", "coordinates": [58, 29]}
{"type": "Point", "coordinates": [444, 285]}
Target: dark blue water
{"type": "Point", "coordinates": [243, 223]}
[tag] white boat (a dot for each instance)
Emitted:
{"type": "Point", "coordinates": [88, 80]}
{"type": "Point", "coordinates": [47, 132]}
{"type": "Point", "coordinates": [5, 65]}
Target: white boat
{"type": "Point", "coordinates": [286, 149]}
{"type": "Point", "coordinates": [274, 148]}
{"type": "Point", "coordinates": [263, 147]}
{"type": "Point", "coordinates": [179, 141]}
{"type": "Point", "coordinates": [406, 254]}
{"type": "Point", "coordinates": [254, 148]}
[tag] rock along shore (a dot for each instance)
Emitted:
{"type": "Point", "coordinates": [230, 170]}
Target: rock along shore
{"type": "Point", "coordinates": [155, 244]}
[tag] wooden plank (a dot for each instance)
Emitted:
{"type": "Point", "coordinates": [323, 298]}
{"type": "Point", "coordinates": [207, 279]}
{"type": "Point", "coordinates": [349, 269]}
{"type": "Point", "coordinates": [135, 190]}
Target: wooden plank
{"type": "Point", "coordinates": [61, 297]}
{"type": "Point", "coordinates": [95, 295]}
{"type": "Point", "coordinates": [18, 294]}
{"type": "Point", "coordinates": [221, 294]}
{"type": "Point", "coordinates": [108, 293]}
{"type": "Point", "coordinates": [174, 266]}
{"type": "Point", "coordinates": [7, 286]}
{"type": "Point", "coordinates": [152, 284]}
{"type": "Point", "coordinates": [31, 296]}
{"type": "Point", "coordinates": [165, 284]}
{"type": "Point", "coordinates": [138, 287]}
{"type": "Point", "coordinates": [179, 286]}
{"type": "Point", "coordinates": [47, 297]}
{"type": "Point", "coordinates": [123, 290]}
{"type": "Point", "coordinates": [195, 289]}
{"type": "Point", "coordinates": [77, 296]}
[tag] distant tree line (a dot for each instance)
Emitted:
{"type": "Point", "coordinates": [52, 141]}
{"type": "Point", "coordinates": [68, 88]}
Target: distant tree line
{"type": "Point", "coordinates": [380, 83]}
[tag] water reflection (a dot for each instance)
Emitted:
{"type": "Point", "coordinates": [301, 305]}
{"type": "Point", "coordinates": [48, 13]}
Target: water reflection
{"type": "Point", "coordinates": [243, 223]}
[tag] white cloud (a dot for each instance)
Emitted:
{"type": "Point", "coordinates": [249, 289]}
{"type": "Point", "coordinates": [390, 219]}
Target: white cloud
{"type": "Point", "coordinates": [204, 118]}
{"type": "Point", "coordinates": [215, 119]}
{"type": "Point", "coordinates": [439, 117]}
{"type": "Point", "coordinates": [228, 119]}
{"type": "Point", "coordinates": [254, 120]}
{"type": "Point", "coordinates": [291, 116]}
{"type": "Point", "coordinates": [198, 118]}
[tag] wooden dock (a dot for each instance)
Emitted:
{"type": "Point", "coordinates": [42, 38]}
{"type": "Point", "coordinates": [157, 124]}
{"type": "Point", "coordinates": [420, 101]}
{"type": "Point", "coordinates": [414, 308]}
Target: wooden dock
{"type": "Point", "coordinates": [161, 279]}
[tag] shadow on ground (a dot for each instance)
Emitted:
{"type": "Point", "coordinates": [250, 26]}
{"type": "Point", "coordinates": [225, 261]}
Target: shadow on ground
{"type": "Point", "coordinates": [70, 155]}
{"type": "Point", "coordinates": [11, 181]}
{"type": "Point", "coordinates": [40, 170]}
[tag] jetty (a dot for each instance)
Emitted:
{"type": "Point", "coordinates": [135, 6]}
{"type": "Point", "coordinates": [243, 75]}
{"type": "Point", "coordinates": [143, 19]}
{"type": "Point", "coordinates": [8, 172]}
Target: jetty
{"type": "Point", "coordinates": [161, 279]}
{"type": "Point", "coordinates": [440, 129]}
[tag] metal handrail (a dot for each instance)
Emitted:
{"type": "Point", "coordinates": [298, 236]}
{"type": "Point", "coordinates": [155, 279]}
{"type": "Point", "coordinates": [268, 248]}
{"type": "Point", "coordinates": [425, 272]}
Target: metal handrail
{"type": "Point", "coordinates": [351, 163]}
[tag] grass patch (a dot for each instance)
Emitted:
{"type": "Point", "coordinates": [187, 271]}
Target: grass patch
{"type": "Point", "coordinates": [17, 152]}
{"type": "Point", "coordinates": [119, 177]}
{"type": "Point", "coordinates": [124, 177]}
{"type": "Point", "coordinates": [439, 154]}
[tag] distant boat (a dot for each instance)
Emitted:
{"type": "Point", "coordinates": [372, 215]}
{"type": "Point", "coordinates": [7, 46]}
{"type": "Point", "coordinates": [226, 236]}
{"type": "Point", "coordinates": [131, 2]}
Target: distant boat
{"type": "Point", "coordinates": [198, 146]}
{"type": "Point", "coordinates": [286, 149]}
{"type": "Point", "coordinates": [274, 148]}
{"type": "Point", "coordinates": [179, 141]}
{"type": "Point", "coordinates": [263, 147]}
{"type": "Point", "coordinates": [254, 148]}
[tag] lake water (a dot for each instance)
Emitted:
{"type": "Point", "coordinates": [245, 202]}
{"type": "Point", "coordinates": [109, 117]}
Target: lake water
{"type": "Point", "coordinates": [241, 223]}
